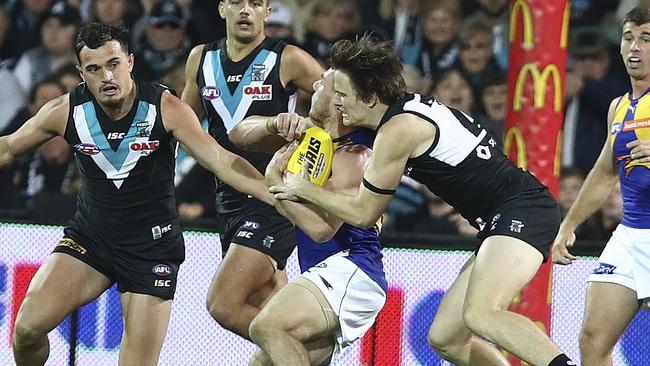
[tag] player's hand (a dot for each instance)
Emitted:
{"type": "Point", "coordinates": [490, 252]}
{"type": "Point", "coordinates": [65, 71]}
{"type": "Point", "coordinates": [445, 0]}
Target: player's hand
{"type": "Point", "coordinates": [640, 150]}
{"type": "Point", "coordinates": [278, 163]}
{"type": "Point", "coordinates": [291, 126]}
{"type": "Point", "coordinates": [563, 241]}
{"type": "Point", "coordinates": [292, 185]}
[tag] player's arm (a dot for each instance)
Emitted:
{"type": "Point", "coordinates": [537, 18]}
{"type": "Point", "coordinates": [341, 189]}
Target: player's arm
{"type": "Point", "coordinates": [180, 121]}
{"type": "Point", "coordinates": [379, 183]}
{"type": "Point", "coordinates": [48, 122]}
{"type": "Point", "coordinates": [300, 68]}
{"type": "Point", "coordinates": [347, 173]}
{"type": "Point", "coordinates": [268, 134]}
{"type": "Point", "coordinates": [592, 195]}
{"type": "Point", "coordinates": [191, 93]}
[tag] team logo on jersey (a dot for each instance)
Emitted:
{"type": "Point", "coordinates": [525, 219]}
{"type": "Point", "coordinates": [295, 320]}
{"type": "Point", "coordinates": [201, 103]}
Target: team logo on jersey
{"type": "Point", "coordinates": [210, 92]}
{"type": "Point", "coordinates": [87, 149]}
{"type": "Point", "coordinates": [604, 268]}
{"type": "Point", "coordinates": [162, 270]}
{"type": "Point", "coordinates": [262, 92]}
{"type": "Point", "coordinates": [142, 129]}
{"type": "Point", "coordinates": [616, 128]}
{"type": "Point", "coordinates": [268, 241]}
{"type": "Point", "coordinates": [633, 125]}
{"type": "Point", "coordinates": [145, 148]}
{"type": "Point", "coordinates": [257, 73]}
{"type": "Point", "coordinates": [516, 226]}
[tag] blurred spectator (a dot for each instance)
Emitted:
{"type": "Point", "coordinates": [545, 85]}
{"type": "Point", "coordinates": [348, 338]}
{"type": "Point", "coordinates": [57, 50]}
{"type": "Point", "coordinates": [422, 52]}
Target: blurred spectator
{"type": "Point", "coordinates": [476, 59]}
{"type": "Point", "coordinates": [408, 204]}
{"type": "Point", "coordinates": [12, 98]}
{"type": "Point", "coordinates": [13, 178]}
{"type": "Point", "coordinates": [175, 79]}
{"type": "Point", "coordinates": [415, 82]}
{"type": "Point", "coordinates": [571, 179]}
{"type": "Point", "coordinates": [436, 217]}
{"type": "Point", "coordinates": [493, 99]}
{"type": "Point", "coordinates": [301, 11]}
{"type": "Point", "coordinates": [23, 32]}
{"type": "Point", "coordinates": [330, 21]}
{"type": "Point", "coordinates": [205, 24]}
{"type": "Point", "coordinates": [68, 76]}
{"type": "Point", "coordinates": [494, 13]}
{"type": "Point", "coordinates": [454, 90]}
{"type": "Point", "coordinates": [57, 32]}
{"type": "Point", "coordinates": [435, 49]}
{"type": "Point", "coordinates": [5, 22]}
{"type": "Point", "coordinates": [601, 225]}
{"type": "Point", "coordinates": [164, 43]}
{"type": "Point", "coordinates": [111, 12]}
{"type": "Point", "coordinates": [280, 24]}
{"type": "Point", "coordinates": [592, 12]}
{"type": "Point", "coordinates": [596, 76]}
{"type": "Point", "coordinates": [401, 21]}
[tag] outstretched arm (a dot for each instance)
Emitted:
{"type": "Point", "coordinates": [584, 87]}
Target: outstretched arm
{"type": "Point", "coordinates": [300, 68]}
{"type": "Point", "coordinates": [591, 197]}
{"type": "Point", "coordinates": [382, 177]}
{"type": "Point", "coordinates": [234, 170]}
{"type": "Point", "coordinates": [50, 121]}
{"type": "Point", "coordinates": [268, 134]}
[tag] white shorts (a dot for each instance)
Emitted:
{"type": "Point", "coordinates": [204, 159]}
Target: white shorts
{"type": "Point", "coordinates": [350, 293]}
{"type": "Point", "coordinates": [626, 261]}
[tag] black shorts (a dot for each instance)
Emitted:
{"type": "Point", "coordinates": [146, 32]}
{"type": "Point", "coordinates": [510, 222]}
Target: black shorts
{"type": "Point", "coordinates": [260, 228]}
{"type": "Point", "coordinates": [147, 267]}
{"type": "Point", "coordinates": [532, 216]}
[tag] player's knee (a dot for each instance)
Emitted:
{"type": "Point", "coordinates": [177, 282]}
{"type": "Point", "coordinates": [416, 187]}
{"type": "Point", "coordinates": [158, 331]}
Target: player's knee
{"type": "Point", "coordinates": [26, 334]}
{"type": "Point", "coordinates": [261, 329]}
{"type": "Point", "coordinates": [594, 342]}
{"type": "Point", "coordinates": [442, 342]}
{"type": "Point", "coordinates": [222, 313]}
{"type": "Point", "coordinates": [477, 319]}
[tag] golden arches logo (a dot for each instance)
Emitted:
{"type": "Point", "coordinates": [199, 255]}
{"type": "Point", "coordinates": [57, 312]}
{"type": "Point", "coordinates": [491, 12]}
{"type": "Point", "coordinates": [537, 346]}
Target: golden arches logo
{"type": "Point", "coordinates": [522, 6]}
{"type": "Point", "coordinates": [564, 34]}
{"type": "Point", "coordinates": [515, 135]}
{"type": "Point", "coordinates": [557, 159]}
{"type": "Point", "coordinates": [540, 81]}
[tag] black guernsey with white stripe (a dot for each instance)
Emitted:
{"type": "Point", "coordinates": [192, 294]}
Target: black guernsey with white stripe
{"type": "Point", "coordinates": [231, 91]}
{"type": "Point", "coordinates": [464, 166]}
{"type": "Point", "coordinates": [127, 166]}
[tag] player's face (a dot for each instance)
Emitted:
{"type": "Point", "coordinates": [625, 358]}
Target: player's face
{"type": "Point", "coordinates": [635, 50]}
{"type": "Point", "coordinates": [353, 109]}
{"type": "Point", "coordinates": [322, 106]}
{"type": "Point", "coordinates": [107, 72]}
{"type": "Point", "coordinates": [244, 18]}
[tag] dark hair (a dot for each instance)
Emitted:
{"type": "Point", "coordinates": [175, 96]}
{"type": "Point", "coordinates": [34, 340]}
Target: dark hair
{"type": "Point", "coordinates": [49, 80]}
{"type": "Point", "coordinates": [571, 171]}
{"type": "Point", "coordinates": [637, 16]}
{"type": "Point", "coordinates": [95, 35]}
{"type": "Point", "coordinates": [372, 66]}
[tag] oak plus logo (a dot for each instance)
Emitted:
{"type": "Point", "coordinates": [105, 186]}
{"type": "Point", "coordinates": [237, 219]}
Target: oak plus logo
{"type": "Point", "coordinates": [145, 148]}
{"type": "Point", "coordinates": [261, 92]}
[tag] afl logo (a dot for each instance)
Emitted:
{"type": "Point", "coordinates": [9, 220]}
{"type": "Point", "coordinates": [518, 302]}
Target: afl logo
{"type": "Point", "coordinates": [162, 270]}
{"type": "Point", "coordinates": [210, 92]}
{"type": "Point", "coordinates": [87, 149]}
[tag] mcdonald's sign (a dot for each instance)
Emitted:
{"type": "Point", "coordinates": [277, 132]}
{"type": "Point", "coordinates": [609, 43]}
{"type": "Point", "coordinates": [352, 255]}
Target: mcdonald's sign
{"type": "Point", "coordinates": [514, 135]}
{"type": "Point", "coordinates": [522, 6]}
{"type": "Point", "coordinates": [540, 82]}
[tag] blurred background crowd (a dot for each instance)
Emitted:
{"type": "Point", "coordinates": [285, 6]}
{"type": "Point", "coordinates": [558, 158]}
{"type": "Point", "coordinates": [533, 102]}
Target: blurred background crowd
{"type": "Point", "coordinates": [455, 50]}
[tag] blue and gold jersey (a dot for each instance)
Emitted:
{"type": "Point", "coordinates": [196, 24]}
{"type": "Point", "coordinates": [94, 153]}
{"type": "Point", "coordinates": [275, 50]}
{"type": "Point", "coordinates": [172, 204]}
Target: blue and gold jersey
{"type": "Point", "coordinates": [632, 122]}
{"type": "Point", "coordinates": [362, 245]}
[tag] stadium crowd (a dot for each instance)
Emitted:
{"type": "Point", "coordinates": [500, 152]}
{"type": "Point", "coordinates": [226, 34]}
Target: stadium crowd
{"type": "Point", "coordinates": [455, 50]}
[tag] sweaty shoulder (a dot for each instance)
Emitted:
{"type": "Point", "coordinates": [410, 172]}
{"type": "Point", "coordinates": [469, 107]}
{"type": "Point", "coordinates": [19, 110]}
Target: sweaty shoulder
{"type": "Point", "coordinates": [195, 57]}
{"type": "Point", "coordinates": [53, 116]}
{"type": "Point", "coordinates": [408, 133]}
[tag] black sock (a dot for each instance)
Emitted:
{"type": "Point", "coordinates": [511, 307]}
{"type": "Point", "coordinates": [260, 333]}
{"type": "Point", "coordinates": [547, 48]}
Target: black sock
{"type": "Point", "coordinates": [561, 360]}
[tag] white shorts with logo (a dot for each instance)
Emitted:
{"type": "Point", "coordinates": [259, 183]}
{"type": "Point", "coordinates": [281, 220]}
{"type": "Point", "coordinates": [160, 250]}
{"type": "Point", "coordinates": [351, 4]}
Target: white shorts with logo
{"type": "Point", "coordinates": [352, 295]}
{"type": "Point", "coordinates": [626, 261]}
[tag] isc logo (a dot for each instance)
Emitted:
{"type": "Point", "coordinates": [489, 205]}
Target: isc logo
{"type": "Point", "coordinates": [115, 136]}
{"type": "Point", "coordinates": [263, 92]}
{"type": "Point", "coordinates": [210, 92]}
{"type": "Point", "coordinates": [162, 283]}
{"type": "Point", "coordinates": [234, 78]}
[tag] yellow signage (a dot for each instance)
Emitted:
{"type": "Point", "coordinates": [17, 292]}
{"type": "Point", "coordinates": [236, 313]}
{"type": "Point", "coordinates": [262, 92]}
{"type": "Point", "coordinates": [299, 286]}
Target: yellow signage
{"type": "Point", "coordinates": [514, 133]}
{"type": "Point", "coordinates": [521, 6]}
{"type": "Point", "coordinates": [540, 82]}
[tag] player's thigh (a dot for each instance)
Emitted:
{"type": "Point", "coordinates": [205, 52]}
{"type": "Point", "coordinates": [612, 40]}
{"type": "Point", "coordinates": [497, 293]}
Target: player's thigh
{"type": "Point", "coordinates": [145, 317]}
{"type": "Point", "coordinates": [242, 271]}
{"type": "Point", "coordinates": [503, 266]}
{"type": "Point", "coordinates": [296, 310]}
{"type": "Point", "coordinates": [608, 306]}
{"type": "Point", "coordinates": [448, 325]}
{"type": "Point", "coordinates": [262, 295]}
{"type": "Point", "coordinates": [61, 285]}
